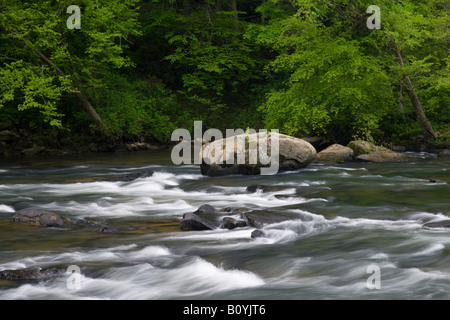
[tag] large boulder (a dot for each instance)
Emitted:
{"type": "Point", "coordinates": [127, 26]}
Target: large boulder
{"type": "Point", "coordinates": [294, 154]}
{"type": "Point", "coordinates": [335, 153]}
{"type": "Point", "coordinates": [368, 152]}
{"type": "Point", "coordinates": [39, 218]}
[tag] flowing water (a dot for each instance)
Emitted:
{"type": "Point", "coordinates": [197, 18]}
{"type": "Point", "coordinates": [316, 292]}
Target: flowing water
{"type": "Point", "coordinates": [345, 220]}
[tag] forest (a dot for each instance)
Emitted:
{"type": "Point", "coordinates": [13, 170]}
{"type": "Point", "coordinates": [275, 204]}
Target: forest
{"type": "Point", "coordinates": [136, 70]}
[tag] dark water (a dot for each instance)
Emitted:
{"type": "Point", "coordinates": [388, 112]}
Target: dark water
{"type": "Point", "coordinates": [325, 251]}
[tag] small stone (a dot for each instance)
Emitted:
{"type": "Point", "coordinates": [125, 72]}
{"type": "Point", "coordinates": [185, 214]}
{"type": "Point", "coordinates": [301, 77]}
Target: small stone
{"type": "Point", "coordinates": [129, 176]}
{"type": "Point", "coordinates": [437, 181]}
{"type": "Point", "coordinates": [231, 223]}
{"type": "Point", "coordinates": [257, 234]}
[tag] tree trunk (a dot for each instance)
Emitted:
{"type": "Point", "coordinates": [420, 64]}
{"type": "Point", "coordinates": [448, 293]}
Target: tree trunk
{"type": "Point", "coordinates": [263, 18]}
{"type": "Point", "coordinates": [428, 134]}
{"type": "Point", "coordinates": [80, 96]}
{"type": "Point", "coordinates": [218, 5]}
{"type": "Point", "coordinates": [187, 7]}
{"type": "Point", "coordinates": [235, 16]}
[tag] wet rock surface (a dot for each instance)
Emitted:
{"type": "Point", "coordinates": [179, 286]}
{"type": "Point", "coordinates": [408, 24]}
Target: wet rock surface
{"type": "Point", "coordinates": [335, 153]}
{"type": "Point", "coordinates": [293, 154]}
{"type": "Point", "coordinates": [39, 218]}
{"type": "Point", "coordinates": [127, 177]}
{"type": "Point", "coordinates": [437, 225]}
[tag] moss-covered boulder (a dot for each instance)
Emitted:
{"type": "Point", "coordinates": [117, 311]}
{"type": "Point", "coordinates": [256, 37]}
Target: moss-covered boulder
{"type": "Point", "coordinates": [368, 152]}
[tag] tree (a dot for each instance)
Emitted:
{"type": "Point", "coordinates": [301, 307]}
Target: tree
{"type": "Point", "coordinates": [336, 73]}
{"type": "Point", "coordinates": [41, 59]}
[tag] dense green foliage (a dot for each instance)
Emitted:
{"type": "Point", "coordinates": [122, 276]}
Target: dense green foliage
{"type": "Point", "coordinates": [136, 70]}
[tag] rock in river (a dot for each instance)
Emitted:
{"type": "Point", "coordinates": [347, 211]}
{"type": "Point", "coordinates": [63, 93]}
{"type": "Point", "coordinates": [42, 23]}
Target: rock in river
{"type": "Point", "coordinates": [40, 218]}
{"type": "Point", "coordinates": [127, 177]}
{"type": "Point", "coordinates": [368, 152]}
{"type": "Point", "coordinates": [257, 234]}
{"type": "Point", "coordinates": [32, 273]}
{"type": "Point", "coordinates": [206, 208]}
{"type": "Point", "coordinates": [260, 218]}
{"type": "Point", "coordinates": [438, 224]}
{"type": "Point", "coordinates": [193, 222]}
{"type": "Point", "coordinates": [335, 153]}
{"type": "Point", "coordinates": [293, 153]}
{"type": "Point", "coordinates": [231, 223]}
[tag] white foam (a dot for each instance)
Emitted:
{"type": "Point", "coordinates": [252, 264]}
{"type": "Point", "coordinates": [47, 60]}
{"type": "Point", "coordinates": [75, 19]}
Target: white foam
{"type": "Point", "coordinates": [124, 253]}
{"type": "Point", "coordinates": [5, 208]}
{"type": "Point", "coordinates": [432, 249]}
{"type": "Point", "coordinates": [379, 256]}
{"type": "Point", "coordinates": [193, 278]}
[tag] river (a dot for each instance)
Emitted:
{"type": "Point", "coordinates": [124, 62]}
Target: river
{"type": "Point", "coordinates": [355, 231]}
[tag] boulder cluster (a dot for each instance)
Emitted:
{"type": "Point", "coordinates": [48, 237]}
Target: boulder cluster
{"type": "Point", "coordinates": [359, 150]}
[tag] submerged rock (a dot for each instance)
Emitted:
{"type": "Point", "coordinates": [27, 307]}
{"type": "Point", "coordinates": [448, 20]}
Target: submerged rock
{"type": "Point", "coordinates": [40, 218]}
{"type": "Point", "coordinates": [127, 177]}
{"type": "Point", "coordinates": [335, 153]}
{"type": "Point", "coordinates": [438, 224]}
{"type": "Point", "coordinates": [332, 199]}
{"type": "Point", "coordinates": [231, 223]}
{"type": "Point", "coordinates": [109, 229]}
{"type": "Point", "coordinates": [31, 274]}
{"type": "Point", "coordinates": [259, 219]}
{"type": "Point", "coordinates": [437, 181]}
{"type": "Point", "coordinates": [257, 234]}
{"type": "Point", "coordinates": [264, 188]}
{"type": "Point", "coordinates": [234, 210]}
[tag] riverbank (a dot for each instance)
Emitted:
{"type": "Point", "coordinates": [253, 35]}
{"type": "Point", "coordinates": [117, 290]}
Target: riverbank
{"type": "Point", "coordinates": [16, 142]}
